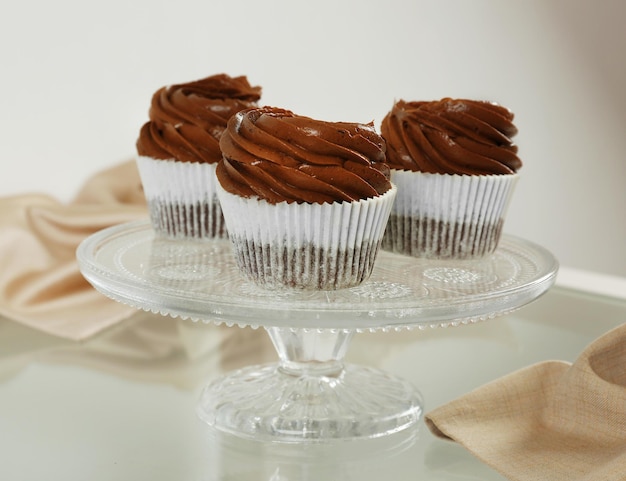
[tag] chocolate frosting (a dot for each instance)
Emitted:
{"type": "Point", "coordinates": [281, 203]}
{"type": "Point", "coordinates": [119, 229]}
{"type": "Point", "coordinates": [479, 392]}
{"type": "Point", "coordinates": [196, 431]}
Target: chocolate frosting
{"type": "Point", "coordinates": [278, 156]}
{"type": "Point", "coordinates": [453, 136]}
{"type": "Point", "coordinates": [187, 120]}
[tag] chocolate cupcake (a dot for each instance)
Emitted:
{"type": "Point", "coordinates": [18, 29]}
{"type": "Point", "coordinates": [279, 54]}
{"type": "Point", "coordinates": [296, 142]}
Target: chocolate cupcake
{"type": "Point", "coordinates": [455, 166]}
{"type": "Point", "coordinates": [179, 149]}
{"type": "Point", "coordinates": [305, 201]}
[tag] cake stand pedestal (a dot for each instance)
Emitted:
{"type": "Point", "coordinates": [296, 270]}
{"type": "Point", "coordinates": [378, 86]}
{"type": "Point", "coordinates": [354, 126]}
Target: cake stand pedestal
{"type": "Point", "coordinates": [310, 394]}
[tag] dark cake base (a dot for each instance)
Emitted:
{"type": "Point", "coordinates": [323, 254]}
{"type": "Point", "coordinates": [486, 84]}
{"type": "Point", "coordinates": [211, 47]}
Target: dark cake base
{"type": "Point", "coordinates": [435, 239]}
{"type": "Point", "coordinates": [307, 267]}
{"type": "Point", "coordinates": [203, 220]}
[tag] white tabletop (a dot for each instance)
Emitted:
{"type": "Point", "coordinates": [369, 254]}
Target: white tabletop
{"type": "Point", "coordinates": [122, 405]}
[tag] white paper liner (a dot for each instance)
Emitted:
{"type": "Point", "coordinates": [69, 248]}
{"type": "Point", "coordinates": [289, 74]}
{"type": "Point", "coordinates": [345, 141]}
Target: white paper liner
{"type": "Point", "coordinates": [182, 198]}
{"type": "Point", "coordinates": [448, 216]}
{"type": "Point", "coordinates": [306, 246]}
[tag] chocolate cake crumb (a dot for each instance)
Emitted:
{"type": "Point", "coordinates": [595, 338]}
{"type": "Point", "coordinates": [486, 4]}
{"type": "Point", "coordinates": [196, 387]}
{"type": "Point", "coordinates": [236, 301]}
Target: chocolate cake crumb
{"type": "Point", "coordinates": [306, 267]}
{"type": "Point", "coordinates": [436, 238]}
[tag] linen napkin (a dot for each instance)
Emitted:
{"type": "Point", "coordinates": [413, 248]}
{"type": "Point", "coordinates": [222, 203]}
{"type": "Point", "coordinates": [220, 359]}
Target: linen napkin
{"type": "Point", "coordinates": [40, 283]}
{"type": "Point", "coordinates": [550, 421]}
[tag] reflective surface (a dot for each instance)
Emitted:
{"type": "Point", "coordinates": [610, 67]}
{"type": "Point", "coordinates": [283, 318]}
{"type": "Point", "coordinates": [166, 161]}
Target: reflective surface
{"type": "Point", "coordinates": [122, 405]}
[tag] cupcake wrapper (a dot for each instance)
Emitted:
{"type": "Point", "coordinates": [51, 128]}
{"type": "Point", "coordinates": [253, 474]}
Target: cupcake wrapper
{"type": "Point", "coordinates": [306, 246]}
{"type": "Point", "coordinates": [182, 198]}
{"type": "Point", "coordinates": [448, 216]}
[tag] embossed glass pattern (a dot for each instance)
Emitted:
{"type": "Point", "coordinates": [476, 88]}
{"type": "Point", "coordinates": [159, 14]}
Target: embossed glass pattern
{"type": "Point", "coordinates": [309, 394]}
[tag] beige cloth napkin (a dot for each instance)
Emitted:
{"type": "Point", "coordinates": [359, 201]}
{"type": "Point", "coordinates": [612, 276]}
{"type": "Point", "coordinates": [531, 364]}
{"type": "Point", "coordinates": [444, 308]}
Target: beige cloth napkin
{"type": "Point", "coordinates": [40, 283]}
{"type": "Point", "coordinates": [551, 421]}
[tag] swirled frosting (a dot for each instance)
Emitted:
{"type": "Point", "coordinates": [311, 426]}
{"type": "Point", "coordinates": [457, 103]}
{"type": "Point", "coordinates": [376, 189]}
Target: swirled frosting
{"type": "Point", "coordinates": [278, 156]}
{"type": "Point", "coordinates": [187, 120]}
{"type": "Point", "coordinates": [453, 136]}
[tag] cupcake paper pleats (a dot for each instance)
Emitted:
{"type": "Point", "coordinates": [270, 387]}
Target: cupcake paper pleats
{"type": "Point", "coordinates": [442, 216]}
{"type": "Point", "coordinates": [182, 198]}
{"type": "Point", "coordinates": [306, 246]}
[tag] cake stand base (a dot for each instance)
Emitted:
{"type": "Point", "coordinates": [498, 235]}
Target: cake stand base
{"type": "Point", "coordinates": [271, 403]}
{"type": "Point", "coordinates": [310, 395]}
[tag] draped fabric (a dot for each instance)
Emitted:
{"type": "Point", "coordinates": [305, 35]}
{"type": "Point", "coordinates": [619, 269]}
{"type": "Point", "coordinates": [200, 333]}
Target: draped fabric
{"type": "Point", "coordinates": [552, 420]}
{"type": "Point", "coordinates": [40, 283]}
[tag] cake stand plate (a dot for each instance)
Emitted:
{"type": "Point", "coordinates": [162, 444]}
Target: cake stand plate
{"type": "Point", "coordinates": [310, 395]}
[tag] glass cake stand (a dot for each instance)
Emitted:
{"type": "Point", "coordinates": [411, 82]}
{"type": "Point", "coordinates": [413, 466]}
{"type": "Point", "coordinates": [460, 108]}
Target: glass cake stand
{"type": "Point", "coordinates": [310, 394]}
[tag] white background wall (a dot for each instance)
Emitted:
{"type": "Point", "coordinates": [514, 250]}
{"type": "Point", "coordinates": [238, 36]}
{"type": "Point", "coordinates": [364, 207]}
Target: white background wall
{"type": "Point", "coordinates": [76, 79]}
